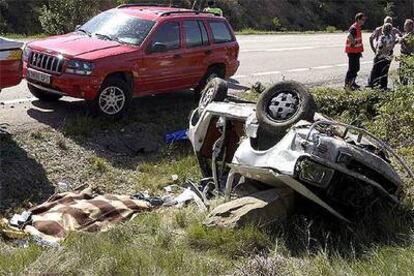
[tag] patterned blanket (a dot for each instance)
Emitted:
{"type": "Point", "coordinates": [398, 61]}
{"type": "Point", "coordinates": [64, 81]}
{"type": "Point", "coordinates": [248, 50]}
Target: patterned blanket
{"type": "Point", "coordinates": [81, 211]}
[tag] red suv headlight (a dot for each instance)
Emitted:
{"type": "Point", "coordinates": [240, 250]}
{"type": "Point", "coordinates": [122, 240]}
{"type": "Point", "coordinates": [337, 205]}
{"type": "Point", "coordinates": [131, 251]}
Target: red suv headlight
{"type": "Point", "coordinates": [79, 67]}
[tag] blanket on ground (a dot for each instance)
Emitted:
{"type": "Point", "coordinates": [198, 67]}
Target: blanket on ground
{"type": "Point", "coordinates": [81, 211]}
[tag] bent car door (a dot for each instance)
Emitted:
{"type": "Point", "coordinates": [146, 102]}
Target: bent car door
{"type": "Point", "coordinates": [162, 64]}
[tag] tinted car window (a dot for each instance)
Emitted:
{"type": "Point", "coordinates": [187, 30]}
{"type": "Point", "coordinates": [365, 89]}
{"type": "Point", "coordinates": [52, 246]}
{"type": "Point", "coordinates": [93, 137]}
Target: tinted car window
{"type": "Point", "coordinates": [193, 35]}
{"type": "Point", "coordinates": [203, 32]}
{"type": "Point", "coordinates": [221, 32]}
{"type": "Point", "coordinates": [169, 35]}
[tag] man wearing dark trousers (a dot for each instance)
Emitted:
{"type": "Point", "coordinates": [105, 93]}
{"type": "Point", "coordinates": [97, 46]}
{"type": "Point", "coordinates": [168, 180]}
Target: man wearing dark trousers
{"type": "Point", "coordinates": [354, 49]}
{"type": "Point", "coordinates": [383, 57]}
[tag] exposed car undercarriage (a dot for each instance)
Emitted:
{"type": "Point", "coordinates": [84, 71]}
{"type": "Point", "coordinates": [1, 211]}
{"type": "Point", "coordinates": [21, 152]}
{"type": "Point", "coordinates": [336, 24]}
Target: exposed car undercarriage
{"type": "Point", "coordinates": [281, 141]}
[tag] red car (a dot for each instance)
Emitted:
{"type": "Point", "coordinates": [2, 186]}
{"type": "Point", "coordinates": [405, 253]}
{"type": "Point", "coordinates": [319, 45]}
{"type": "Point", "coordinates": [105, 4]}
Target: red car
{"type": "Point", "coordinates": [10, 63]}
{"type": "Point", "coordinates": [132, 51]}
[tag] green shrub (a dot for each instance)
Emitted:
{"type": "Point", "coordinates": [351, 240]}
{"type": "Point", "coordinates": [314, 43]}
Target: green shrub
{"type": "Point", "coordinates": [395, 119]}
{"type": "Point", "coordinates": [277, 25]}
{"type": "Point", "coordinates": [331, 29]}
{"type": "Point", "coordinates": [347, 106]}
{"type": "Point", "coordinates": [406, 70]}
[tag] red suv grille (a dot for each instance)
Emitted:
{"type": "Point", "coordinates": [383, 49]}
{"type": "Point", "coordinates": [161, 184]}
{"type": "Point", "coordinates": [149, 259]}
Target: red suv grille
{"type": "Point", "coordinates": [47, 63]}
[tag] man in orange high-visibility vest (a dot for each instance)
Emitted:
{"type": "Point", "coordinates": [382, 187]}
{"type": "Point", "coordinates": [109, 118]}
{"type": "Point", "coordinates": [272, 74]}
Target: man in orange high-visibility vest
{"type": "Point", "coordinates": [354, 49]}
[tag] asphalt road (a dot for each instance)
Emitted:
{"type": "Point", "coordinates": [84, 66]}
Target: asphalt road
{"type": "Point", "coordinates": [313, 59]}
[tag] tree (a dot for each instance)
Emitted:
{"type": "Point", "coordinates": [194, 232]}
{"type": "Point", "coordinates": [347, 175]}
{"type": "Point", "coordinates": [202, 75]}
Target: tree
{"type": "Point", "coordinates": [62, 16]}
{"type": "Point", "coordinates": [20, 16]}
{"type": "Point", "coordinates": [389, 9]}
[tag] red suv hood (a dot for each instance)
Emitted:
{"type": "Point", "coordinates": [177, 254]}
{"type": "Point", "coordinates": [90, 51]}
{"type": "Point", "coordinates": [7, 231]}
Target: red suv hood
{"type": "Point", "coordinates": [73, 44]}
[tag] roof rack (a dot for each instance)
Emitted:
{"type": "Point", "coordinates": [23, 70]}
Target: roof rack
{"type": "Point", "coordinates": [187, 11]}
{"type": "Point", "coordinates": [145, 5]}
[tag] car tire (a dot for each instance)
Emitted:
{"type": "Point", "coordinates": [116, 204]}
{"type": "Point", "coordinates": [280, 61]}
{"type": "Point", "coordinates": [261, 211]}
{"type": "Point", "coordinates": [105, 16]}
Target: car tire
{"type": "Point", "coordinates": [113, 99]}
{"type": "Point", "coordinates": [215, 91]}
{"type": "Point", "coordinates": [212, 73]}
{"type": "Point", "coordinates": [43, 95]}
{"type": "Point", "coordinates": [284, 104]}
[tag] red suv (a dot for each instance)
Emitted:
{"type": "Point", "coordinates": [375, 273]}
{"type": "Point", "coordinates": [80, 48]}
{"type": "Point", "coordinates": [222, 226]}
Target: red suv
{"type": "Point", "coordinates": [131, 51]}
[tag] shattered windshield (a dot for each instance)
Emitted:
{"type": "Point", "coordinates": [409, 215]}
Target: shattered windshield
{"type": "Point", "coordinates": [119, 27]}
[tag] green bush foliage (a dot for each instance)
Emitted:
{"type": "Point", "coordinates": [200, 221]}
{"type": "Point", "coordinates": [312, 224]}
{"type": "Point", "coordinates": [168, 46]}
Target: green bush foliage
{"type": "Point", "coordinates": [390, 115]}
{"type": "Point", "coordinates": [395, 119]}
{"type": "Point", "coordinates": [59, 17]}
{"type": "Point", "coordinates": [331, 29]}
{"type": "Point", "coordinates": [406, 70]}
{"type": "Point", "coordinates": [346, 105]}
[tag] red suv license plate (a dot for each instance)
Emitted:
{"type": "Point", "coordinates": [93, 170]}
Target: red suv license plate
{"type": "Point", "coordinates": [38, 76]}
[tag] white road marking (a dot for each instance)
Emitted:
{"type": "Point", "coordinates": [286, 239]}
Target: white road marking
{"type": "Point", "coordinates": [292, 48]}
{"type": "Point", "coordinates": [297, 70]}
{"type": "Point", "coordinates": [267, 73]}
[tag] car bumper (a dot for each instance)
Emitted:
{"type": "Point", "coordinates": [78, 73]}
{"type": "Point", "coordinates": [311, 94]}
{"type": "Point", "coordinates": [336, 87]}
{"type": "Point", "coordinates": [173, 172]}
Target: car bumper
{"type": "Point", "coordinates": [232, 68]}
{"type": "Point", "coordinates": [84, 87]}
{"type": "Point", "coordinates": [10, 68]}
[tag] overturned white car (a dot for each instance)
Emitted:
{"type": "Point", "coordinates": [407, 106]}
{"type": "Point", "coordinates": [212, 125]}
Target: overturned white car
{"type": "Point", "coordinates": [282, 142]}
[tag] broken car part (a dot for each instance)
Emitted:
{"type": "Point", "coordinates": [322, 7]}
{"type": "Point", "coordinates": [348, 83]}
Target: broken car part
{"type": "Point", "coordinates": [281, 141]}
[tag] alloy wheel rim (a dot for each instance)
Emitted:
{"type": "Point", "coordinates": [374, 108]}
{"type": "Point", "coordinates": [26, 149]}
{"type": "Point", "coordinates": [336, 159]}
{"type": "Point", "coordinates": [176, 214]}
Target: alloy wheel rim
{"type": "Point", "coordinates": [112, 100]}
{"type": "Point", "coordinates": [283, 106]}
{"type": "Point", "coordinates": [207, 97]}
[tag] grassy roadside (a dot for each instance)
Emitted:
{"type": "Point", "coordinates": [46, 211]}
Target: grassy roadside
{"type": "Point", "coordinates": [174, 242]}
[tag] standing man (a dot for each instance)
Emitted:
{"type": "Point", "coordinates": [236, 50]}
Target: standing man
{"type": "Point", "coordinates": [407, 48]}
{"type": "Point", "coordinates": [383, 58]}
{"type": "Point", "coordinates": [354, 49]}
{"type": "Point", "coordinates": [212, 8]}
{"type": "Point", "coordinates": [373, 39]}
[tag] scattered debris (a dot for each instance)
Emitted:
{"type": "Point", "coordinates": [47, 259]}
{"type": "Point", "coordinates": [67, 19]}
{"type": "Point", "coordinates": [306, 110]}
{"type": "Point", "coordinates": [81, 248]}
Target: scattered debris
{"type": "Point", "coordinates": [174, 137]}
{"type": "Point", "coordinates": [260, 208]}
{"type": "Point", "coordinates": [189, 195]}
{"type": "Point", "coordinates": [62, 187]}
{"type": "Point", "coordinates": [174, 178]}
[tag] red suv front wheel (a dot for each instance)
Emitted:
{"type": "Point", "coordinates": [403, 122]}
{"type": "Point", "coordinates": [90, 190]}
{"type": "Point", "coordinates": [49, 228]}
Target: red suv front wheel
{"type": "Point", "coordinates": [113, 99]}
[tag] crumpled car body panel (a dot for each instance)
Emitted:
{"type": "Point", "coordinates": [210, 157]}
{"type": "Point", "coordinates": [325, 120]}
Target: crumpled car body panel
{"type": "Point", "coordinates": [326, 151]}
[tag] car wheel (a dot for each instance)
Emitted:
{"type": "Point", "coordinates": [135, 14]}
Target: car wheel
{"type": "Point", "coordinates": [43, 95]}
{"type": "Point", "coordinates": [211, 74]}
{"type": "Point", "coordinates": [284, 104]}
{"type": "Point", "coordinates": [215, 91]}
{"type": "Point", "coordinates": [113, 99]}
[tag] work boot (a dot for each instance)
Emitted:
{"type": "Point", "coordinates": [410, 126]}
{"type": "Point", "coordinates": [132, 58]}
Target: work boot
{"type": "Point", "coordinates": [348, 84]}
{"type": "Point", "coordinates": [355, 86]}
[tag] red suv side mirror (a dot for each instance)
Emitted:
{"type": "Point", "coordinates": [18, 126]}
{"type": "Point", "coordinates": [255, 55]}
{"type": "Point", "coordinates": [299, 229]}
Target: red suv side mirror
{"type": "Point", "coordinates": [158, 47]}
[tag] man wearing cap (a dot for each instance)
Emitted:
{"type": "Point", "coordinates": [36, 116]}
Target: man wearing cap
{"type": "Point", "coordinates": [212, 8]}
{"type": "Point", "coordinates": [383, 57]}
{"type": "Point", "coordinates": [354, 49]}
{"type": "Point", "coordinates": [373, 39]}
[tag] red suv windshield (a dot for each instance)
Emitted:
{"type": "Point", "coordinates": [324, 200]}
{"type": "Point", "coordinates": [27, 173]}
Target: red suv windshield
{"type": "Point", "coordinates": [118, 26]}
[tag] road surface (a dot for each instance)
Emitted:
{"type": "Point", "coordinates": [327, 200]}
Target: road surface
{"type": "Point", "coordinates": [313, 59]}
